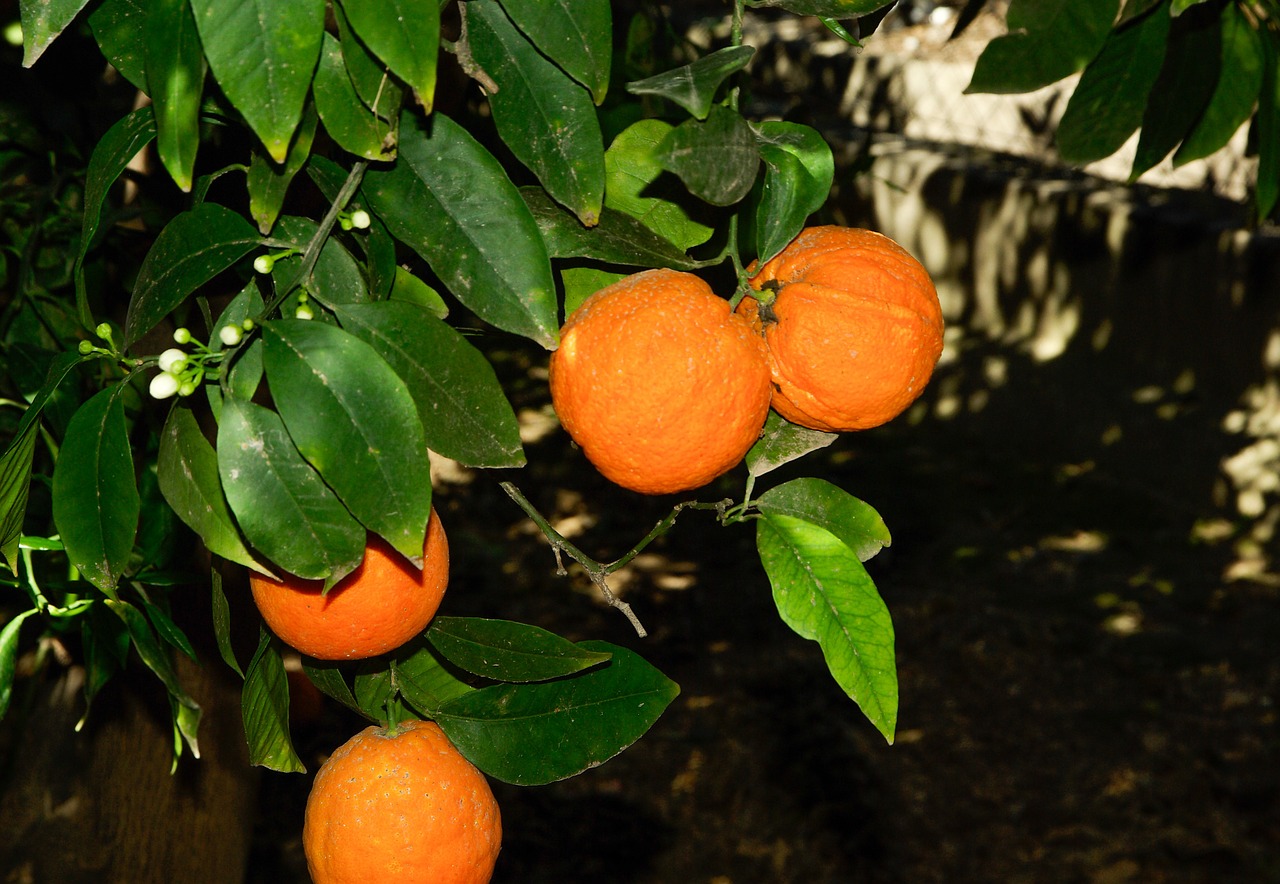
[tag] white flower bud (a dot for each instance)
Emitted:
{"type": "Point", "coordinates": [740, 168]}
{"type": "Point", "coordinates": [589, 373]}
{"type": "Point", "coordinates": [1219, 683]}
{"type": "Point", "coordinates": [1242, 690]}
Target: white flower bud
{"type": "Point", "coordinates": [230, 335]}
{"type": "Point", "coordinates": [304, 311]}
{"type": "Point", "coordinates": [164, 385]}
{"type": "Point", "coordinates": [181, 336]}
{"type": "Point", "coordinates": [360, 219]}
{"type": "Point", "coordinates": [264, 263]}
{"type": "Point", "coordinates": [172, 360]}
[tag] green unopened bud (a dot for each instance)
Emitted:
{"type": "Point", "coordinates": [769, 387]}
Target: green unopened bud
{"type": "Point", "coordinates": [247, 325]}
{"type": "Point", "coordinates": [181, 336]}
{"type": "Point", "coordinates": [164, 385]}
{"type": "Point", "coordinates": [86, 347]}
{"type": "Point", "coordinates": [344, 221]}
{"type": "Point", "coordinates": [304, 311]}
{"type": "Point", "coordinates": [230, 335]}
{"type": "Point", "coordinates": [103, 331]}
{"type": "Point", "coordinates": [264, 263]}
{"type": "Point", "coordinates": [172, 360]}
{"type": "Point", "coordinates": [360, 219]}
{"type": "Point", "coordinates": [187, 388]}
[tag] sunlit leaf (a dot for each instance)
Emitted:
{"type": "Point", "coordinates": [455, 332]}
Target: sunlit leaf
{"type": "Point", "coordinates": [370, 77]}
{"type": "Point", "coordinates": [222, 622]}
{"type": "Point", "coordinates": [264, 704]}
{"type": "Point", "coordinates": [581, 283]}
{"type": "Point", "coordinates": [717, 158]}
{"type": "Point", "coordinates": [830, 507]}
{"type": "Point", "coordinates": [634, 186]}
{"type": "Point", "coordinates": [9, 658]}
{"type": "Point", "coordinates": [412, 290]}
{"type": "Point", "coordinates": [503, 650]}
{"type": "Point", "coordinates": [693, 86]}
{"type": "Point", "coordinates": [799, 171]}
{"type": "Point", "coordinates": [175, 78]}
{"type": "Point", "coordinates": [328, 679]}
{"type": "Point", "coordinates": [426, 682]}
{"type": "Point", "coordinates": [42, 22]}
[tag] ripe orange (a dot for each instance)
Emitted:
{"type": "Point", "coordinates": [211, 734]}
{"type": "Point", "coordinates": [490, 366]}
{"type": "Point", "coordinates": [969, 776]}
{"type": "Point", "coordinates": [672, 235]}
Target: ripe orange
{"type": "Point", "coordinates": [402, 806]}
{"type": "Point", "coordinates": [662, 385]}
{"type": "Point", "coordinates": [375, 609]}
{"type": "Point", "coordinates": [854, 331]}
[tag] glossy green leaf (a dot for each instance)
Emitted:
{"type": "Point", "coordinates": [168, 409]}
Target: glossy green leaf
{"type": "Point", "coordinates": [9, 658]}
{"type": "Point", "coordinates": [264, 705]}
{"type": "Point", "coordinates": [1181, 91]}
{"type": "Point", "coordinates": [405, 35]}
{"type": "Point", "coordinates": [352, 418]}
{"type": "Point", "coordinates": [717, 158]}
{"type": "Point", "coordinates": [581, 283]}
{"type": "Point", "coordinates": [782, 442]}
{"type": "Point", "coordinates": [576, 34]}
{"type": "Point", "coordinates": [412, 290]}
{"type": "Point", "coordinates": [374, 689]}
{"type": "Point", "coordinates": [831, 508]}
{"type": "Point", "coordinates": [335, 278]}
{"type": "Point", "coordinates": [693, 86]}
{"type": "Point", "coordinates": [263, 53]}
{"type": "Point", "coordinates": [1111, 97]}
{"type": "Point", "coordinates": [370, 76]}
{"type": "Point", "coordinates": [450, 201]}
{"type": "Point", "coordinates": [1047, 41]}
{"type": "Point", "coordinates": [799, 171]}
{"type": "Point", "coordinates": [221, 614]}
{"type": "Point", "coordinates": [426, 682]}
{"type": "Point", "coordinates": [116, 25]}
{"type": "Point", "coordinates": [95, 495]}
{"type": "Point", "coordinates": [503, 650]}
{"type": "Point", "coordinates": [42, 22]}
{"type": "Point", "coordinates": [531, 734]}
{"type": "Point", "coordinates": [463, 411]}
{"type": "Point", "coordinates": [824, 593]}
{"type": "Point", "coordinates": [168, 631]}
{"type": "Point", "coordinates": [283, 507]}
{"type": "Point", "coordinates": [1236, 93]}
{"type": "Point", "coordinates": [244, 367]}
{"type": "Point", "coordinates": [268, 181]}
{"type": "Point", "coordinates": [1267, 189]}
{"type": "Point", "coordinates": [195, 247]}
{"type": "Point", "coordinates": [827, 8]}
{"type": "Point", "coordinates": [175, 77]}
{"type": "Point", "coordinates": [188, 471]}
{"type": "Point", "coordinates": [1180, 6]}
{"type": "Point", "coordinates": [546, 119]}
{"type": "Point", "coordinates": [347, 119]}
{"type": "Point", "coordinates": [636, 185]}
{"type": "Point", "coordinates": [328, 678]}
{"type": "Point", "coordinates": [616, 239]}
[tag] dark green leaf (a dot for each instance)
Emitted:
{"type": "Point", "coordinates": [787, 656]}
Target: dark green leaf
{"type": "Point", "coordinates": [546, 119]}
{"type": "Point", "coordinates": [264, 705]}
{"type": "Point", "coordinates": [425, 682]}
{"type": "Point", "coordinates": [379, 245]}
{"type": "Point", "coordinates": [335, 278]}
{"type": "Point", "coordinates": [408, 288]}
{"type": "Point", "coordinates": [42, 21]}
{"type": "Point", "coordinates": [632, 166]}
{"type": "Point", "coordinates": [503, 650]}
{"type": "Point", "coordinates": [195, 247]}
{"type": "Point", "coordinates": [346, 118]}
{"type": "Point", "coordinates": [369, 76]}
{"type": "Point", "coordinates": [581, 283]}
{"type": "Point", "coordinates": [717, 158]}
{"type": "Point", "coordinates": [263, 54]}
{"type": "Point", "coordinates": [829, 8]}
{"type": "Point", "coordinates": [156, 658]}
{"type": "Point", "coordinates": [823, 593]}
{"type": "Point", "coordinates": [95, 495]}
{"type": "Point", "coordinates": [463, 411]}
{"type": "Point", "coordinates": [116, 25]}
{"type": "Point", "coordinates": [244, 366]}
{"type": "Point", "coordinates": [531, 734]}
{"type": "Point", "coordinates": [799, 170]}
{"type": "Point", "coordinates": [1180, 6]}
{"type": "Point", "coordinates": [175, 77]}
{"type": "Point", "coordinates": [268, 181]}
{"type": "Point", "coordinates": [374, 689]}
{"type": "Point", "coordinates": [576, 34]}
{"type": "Point", "coordinates": [9, 658]}
{"type": "Point", "coordinates": [281, 504]}
{"type": "Point", "coordinates": [328, 678]}
{"type": "Point", "coordinates": [1047, 41]}
{"type": "Point", "coordinates": [616, 239]}
{"type": "Point", "coordinates": [1109, 101]}
{"type": "Point", "coordinates": [405, 35]}
{"type": "Point", "coordinates": [1236, 92]}
{"type": "Point", "coordinates": [1268, 185]}
{"type": "Point", "coordinates": [830, 507]}
{"type": "Point", "coordinates": [222, 622]}
{"type": "Point", "coordinates": [168, 631]}
{"type": "Point", "coordinates": [693, 86]}
{"type": "Point", "coordinates": [782, 442]}
{"type": "Point", "coordinates": [451, 201]}
{"type": "Point", "coordinates": [187, 467]}
{"type": "Point", "coordinates": [352, 418]}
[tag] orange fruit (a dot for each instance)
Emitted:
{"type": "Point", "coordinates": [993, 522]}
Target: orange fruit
{"type": "Point", "coordinates": [401, 806]}
{"type": "Point", "coordinates": [854, 331]}
{"type": "Point", "coordinates": [375, 609]}
{"type": "Point", "coordinates": [660, 383]}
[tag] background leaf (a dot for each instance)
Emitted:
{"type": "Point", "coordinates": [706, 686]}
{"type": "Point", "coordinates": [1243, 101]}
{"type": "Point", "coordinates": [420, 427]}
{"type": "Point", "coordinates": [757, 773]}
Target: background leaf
{"type": "Point", "coordinates": [116, 25]}
{"type": "Point", "coordinates": [42, 22]}
{"type": "Point", "coordinates": [507, 651]}
{"type": "Point", "coordinates": [9, 658]}
{"type": "Point", "coordinates": [264, 704]}
{"type": "Point", "coordinates": [693, 86]}
{"type": "Point", "coordinates": [576, 34]}
{"type": "Point", "coordinates": [405, 35]}
{"type": "Point", "coordinates": [175, 79]}
{"type": "Point", "coordinates": [831, 508]}
{"type": "Point", "coordinates": [1236, 92]}
{"type": "Point", "coordinates": [1047, 41]}
{"type": "Point", "coordinates": [717, 158]}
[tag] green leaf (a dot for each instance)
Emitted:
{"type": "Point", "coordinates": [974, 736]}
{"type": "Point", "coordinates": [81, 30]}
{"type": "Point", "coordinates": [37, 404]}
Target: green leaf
{"type": "Point", "coordinates": [782, 442]}
{"type": "Point", "coordinates": [263, 53]}
{"type": "Point", "coordinates": [1267, 189]}
{"type": "Point", "coordinates": [693, 86]}
{"type": "Point", "coordinates": [581, 283]}
{"type": "Point", "coordinates": [408, 288]}
{"type": "Point", "coordinates": [425, 682]}
{"type": "Point", "coordinates": [196, 246]}
{"type": "Point", "coordinates": [503, 650]}
{"type": "Point", "coordinates": [328, 679]}
{"type": "Point", "coordinates": [347, 119]}
{"type": "Point", "coordinates": [42, 22]}
{"type": "Point", "coordinates": [1236, 92]}
{"type": "Point", "coordinates": [264, 705]}
{"type": "Point", "coordinates": [576, 34]}
{"type": "Point", "coordinates": [826, 8]}
{"type": "Point", "coordinates": [352, 418]}
{"type": "Point", "coordinates": [187, 467]}
{"type": "Point", "coordinates": [831, 508]}
{"type": "Point", "coordinates": [116, 25]}
{"type": "Point", "coordinates": [1180, 6]}
{"type": "Point", "coordinates": [633, 171]}
{"type": "Point", "coordinates": [405, 35]}
{"type": "Point", "coordinates": [616, 239]}
{"type": "Point", "coordinates": [1181, 91]}
{"type": "Point", "coordinates": [335, 278]}
{"type": "Point", "coordinates": [369, 76]}
{"type": "Point", "coordinates": [717, 158]}
{"type": "Point", "coordinates": [1047, 41]}
{"type": "Point", "coordinates": [156, 658]}
{"type": "Point", "coordinates": [244, 366]}
{"type": "Point", "coordinates": [222, 622]}
{"type": "Point", "coordinates": [451, 202]}
{"type": "Point", "coordinates": [168, 631]}
{"type": "Point", "coordinates": [1109, 101]}
{"type": "Point", "coordinates": [463, 411]}
{"type": "Point", "coordinates": [175, 78]}
{"type": "Point", "coordinates": [532, 734]}
{"type": "Point", "coordinates": [282, 505]}
{"type": "Point", "coordinates": [95, 496]}
{"type": "Point", "coordinates": [799, 171]}
{"type": "Point", "coordinates": [823, 593]}
{"type": "Point", "coordinates": [9, 658]}
{"type": "Point", "coordinates": [546, 119]}
{"type": "Point", "coordinates": [268, 181]}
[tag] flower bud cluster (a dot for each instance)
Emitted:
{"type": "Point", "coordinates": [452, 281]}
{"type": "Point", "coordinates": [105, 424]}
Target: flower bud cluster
{"type": "Point", "coordinates": [182, 371]}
